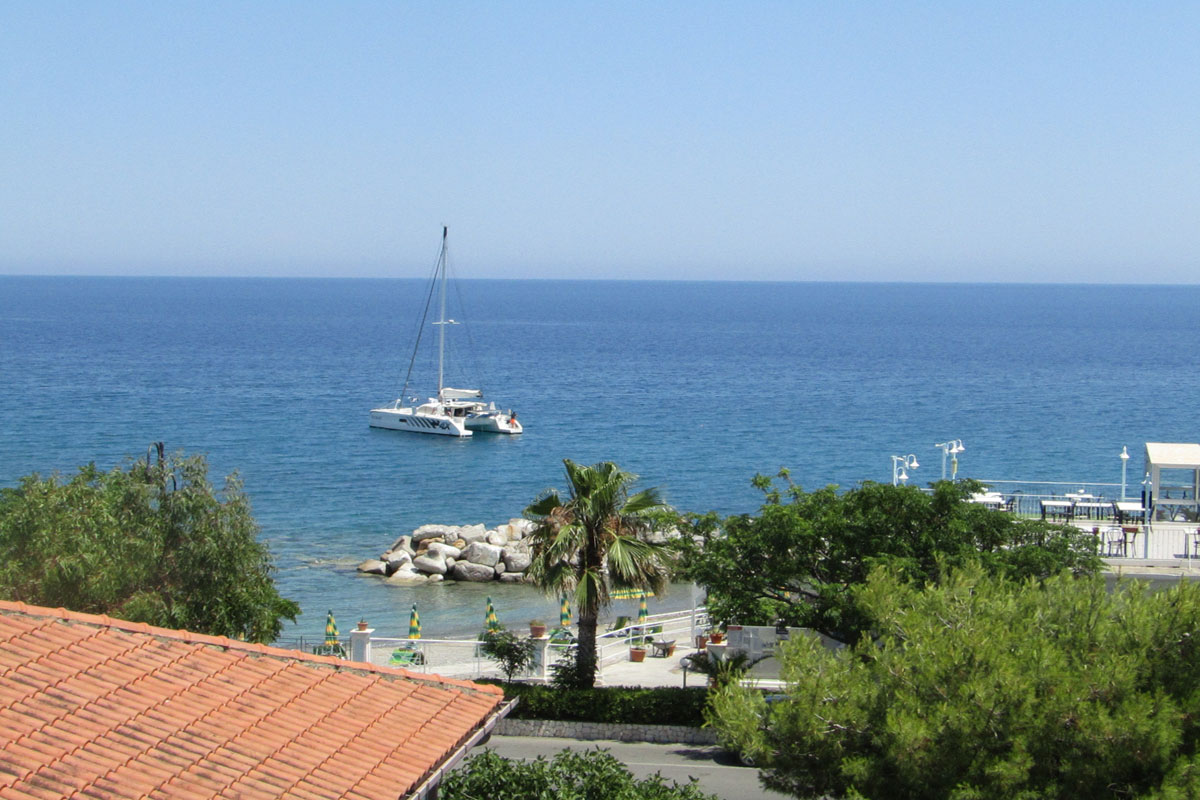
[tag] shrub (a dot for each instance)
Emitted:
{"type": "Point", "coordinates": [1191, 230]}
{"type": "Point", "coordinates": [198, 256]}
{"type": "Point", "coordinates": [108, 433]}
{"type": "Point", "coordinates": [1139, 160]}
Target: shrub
{"type": "Point", "coordinates": [567, 776]}
{"type": "Point", "coordinates": [510, 652]}
{"type": "Point", "coordinates": [638, 706]}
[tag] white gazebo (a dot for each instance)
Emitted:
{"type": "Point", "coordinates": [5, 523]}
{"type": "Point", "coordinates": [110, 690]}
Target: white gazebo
{"type": "Point", "coordinates": [1174, 474]}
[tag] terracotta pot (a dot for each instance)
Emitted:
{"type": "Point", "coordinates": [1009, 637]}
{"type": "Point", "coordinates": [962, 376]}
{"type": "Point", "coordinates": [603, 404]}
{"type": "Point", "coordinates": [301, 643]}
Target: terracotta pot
{"type": "Point", "coordinates": [362, 624]}
{"type": "Point", "coordinates": [701, 641]}
{"type": "Point", "coordinates": [537, 631]}
{"type": "Point", "coordinates": [716, 638]}
{"type": "Point", "coordinates": [637, 654]}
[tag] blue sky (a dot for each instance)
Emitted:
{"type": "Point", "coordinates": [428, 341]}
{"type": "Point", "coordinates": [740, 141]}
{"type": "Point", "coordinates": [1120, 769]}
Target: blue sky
{"type": "Point", "coordinates": [768, 141]}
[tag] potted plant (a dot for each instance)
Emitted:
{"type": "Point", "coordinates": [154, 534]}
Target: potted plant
{"type": "Point", "coordinates": [537, 629]}
{"type": "Point", "coordinates": [637, 650]}
{"type": "Point", "coordinates": [701, 641]}
{"type": "Point", "coordinates": [716, 635]}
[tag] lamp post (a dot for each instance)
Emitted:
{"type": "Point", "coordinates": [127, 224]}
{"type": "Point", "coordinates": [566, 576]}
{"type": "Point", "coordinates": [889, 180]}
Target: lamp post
{"type": "Point", "coordinates": [899, 465]}
{"type": "Point", "coordinates": [1124, 466]}
{"type": "Point", "coordinates": [1147, 500]}
{"type": "Point", "coordinates": [952, 447]}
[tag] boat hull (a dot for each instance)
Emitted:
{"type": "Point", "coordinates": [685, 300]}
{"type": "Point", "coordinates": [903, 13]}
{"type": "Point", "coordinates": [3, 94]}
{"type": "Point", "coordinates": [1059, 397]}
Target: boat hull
{"type": "Point", "coordinates": [404, 419]}
{"type": "Point", "coordinates": [494, 423]}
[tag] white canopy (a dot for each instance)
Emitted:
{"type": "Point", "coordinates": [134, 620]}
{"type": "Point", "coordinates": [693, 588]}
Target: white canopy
{"type": "Point", "coordinates": [460, 394]}
{"type": "Point", "coordinates": [1180, 487]}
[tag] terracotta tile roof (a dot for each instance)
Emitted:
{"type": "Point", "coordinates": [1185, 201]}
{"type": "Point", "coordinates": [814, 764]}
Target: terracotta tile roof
{"type": "Point", "coordinates": [94, 707]}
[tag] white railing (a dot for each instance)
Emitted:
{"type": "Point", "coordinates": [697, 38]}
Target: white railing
{"type": "Point", "coordinates": [454, 658]}
{"type": "Point", "coordinates": [613, 646]}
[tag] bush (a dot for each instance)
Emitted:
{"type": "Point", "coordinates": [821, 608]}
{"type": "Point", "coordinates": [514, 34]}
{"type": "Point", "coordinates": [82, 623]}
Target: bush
{"type": "Point", "coordinates": [567, 776]}
{"type": "Point", "coordinates": [510, 652]}
{"type": "Point", "coordinates": [648, 706]}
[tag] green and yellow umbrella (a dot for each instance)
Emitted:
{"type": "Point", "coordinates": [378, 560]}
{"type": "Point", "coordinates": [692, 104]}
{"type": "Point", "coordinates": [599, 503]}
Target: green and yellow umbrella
{"type": "Point", "coordinates": [643, 612]}
{"type": "Point", "coordinates": [629, 594]}
{"type": "Point", "coordinates": [564, 613]}
{"type": "Point", "coordinates": [490, 623]}
{"type": "Point", "coordinates": [331, 631]}
{"type": "Point", "coordinates": [414, 624]}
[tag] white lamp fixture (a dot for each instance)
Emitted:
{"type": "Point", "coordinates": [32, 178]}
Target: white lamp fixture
{"type": "Point", "coordinates": [899, 465]}
{"type": "Point", "coordinates": [1124, 465]}
{"type": "Point", "coordinates": [952, 447]}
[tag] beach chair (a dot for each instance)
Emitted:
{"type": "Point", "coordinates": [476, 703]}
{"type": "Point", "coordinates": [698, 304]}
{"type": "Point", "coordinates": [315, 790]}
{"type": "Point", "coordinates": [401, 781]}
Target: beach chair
{"type": "Point", "coordinates": [406, 657]}
{"type": "Point", "coordinates": [332, 649]}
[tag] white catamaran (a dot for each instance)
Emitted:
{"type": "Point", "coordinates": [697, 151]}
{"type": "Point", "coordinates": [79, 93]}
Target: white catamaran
{"type": "Point", "coordinates": [453, 412]}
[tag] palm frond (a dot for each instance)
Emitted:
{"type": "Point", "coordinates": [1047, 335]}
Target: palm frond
{"type": "Point", "coordinates": [544, 505]}
{"type": "Point", "coordinates": [643, 501]}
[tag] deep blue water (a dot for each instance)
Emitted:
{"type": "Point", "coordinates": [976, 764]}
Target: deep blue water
{"type": "Point", "coordinates": [694, 386]}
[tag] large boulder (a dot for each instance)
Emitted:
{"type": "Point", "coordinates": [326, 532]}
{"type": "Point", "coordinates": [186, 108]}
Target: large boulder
{"type": "Point", "coordinates": [482, 553]}
{"type": "Point", "coordinates": [403, 543]}
{"type": "Point", "coordinates": [442, 549]}
{"type": "Point", "coordinates": [466, 571]}
{"type": "Point", "coordinates": [373, 566]}
{"type": "Point", "coordinates": [396, 559]}
{"type": "Point", "coordinates": [431, 563]}
{"type": "Point", "coordinates": [471, 533]}
{"type": "Point", "coordinates": [515, 560]}
{"type": "Point", "coordinates": [446, 533]}
{"type": "Point", "coordinates": [407, 577]}
{"type": "Point", "coordinates": [519, 528]}
{"type": "Point", "coordinates": [496, 537]}
{"type": "Point", "coordinates": [512, 577]}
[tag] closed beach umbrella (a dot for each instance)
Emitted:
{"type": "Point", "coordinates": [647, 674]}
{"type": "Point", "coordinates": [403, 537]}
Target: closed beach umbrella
{"type": "Point", "coordinates": [331, 631]}
{"type": "Point", "coordinates": [490, 623]}
{"type": "Point", "coordinates": [414, 624]}
{"type": "Point", "coordinates": [643, 612]}
{"type": "Point", "coordinates": [564, 613]}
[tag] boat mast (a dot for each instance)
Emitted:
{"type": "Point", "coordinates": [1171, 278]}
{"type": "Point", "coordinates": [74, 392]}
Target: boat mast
{"type": "Point", "coordinates": [441, 323]}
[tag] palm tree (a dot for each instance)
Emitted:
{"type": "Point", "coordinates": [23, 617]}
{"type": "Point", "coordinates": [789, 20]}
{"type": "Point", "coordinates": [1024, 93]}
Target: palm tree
{"type": "Point", "coordinates": [588, 544]}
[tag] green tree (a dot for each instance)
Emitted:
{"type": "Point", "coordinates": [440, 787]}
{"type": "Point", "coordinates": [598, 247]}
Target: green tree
{"type": "Point", "coordinates": [591, 542]}
{"type": "Point", "coordinates": [567, 776]}
{"type": "Point", "coordinates": [154, 543]}
{"type": "Point", "coordinates": [983, 687]}
{"type": "Point", "coordinates": [799, 559]}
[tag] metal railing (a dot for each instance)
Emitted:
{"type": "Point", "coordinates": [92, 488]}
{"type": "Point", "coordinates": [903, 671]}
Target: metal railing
{"type": "Point", "coordinates": [454, 658]}
{"type": "Point", "coordinates": [613, 646]}
{"type": "Point", "coordinates": [1026, 496]}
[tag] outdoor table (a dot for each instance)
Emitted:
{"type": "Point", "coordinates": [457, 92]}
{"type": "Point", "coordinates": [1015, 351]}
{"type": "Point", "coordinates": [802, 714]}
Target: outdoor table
{"type": "Point", "coordinates": [1100, 510]}
{"type": "Point", "coordinates": [1125, 510]}
{"type": "Point", "coordinates": [1057, 508]}
{"type": "Point", "coordinates": [989, 500]}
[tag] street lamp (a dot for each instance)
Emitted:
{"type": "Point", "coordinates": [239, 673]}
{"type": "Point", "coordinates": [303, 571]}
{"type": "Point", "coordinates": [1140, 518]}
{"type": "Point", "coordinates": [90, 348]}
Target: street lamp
{"type": "Point", "coordinates": [1124, 466]}
{"type": "Point", "coordinates": [952, 447]}
{"type": "Point", "coordinates": [1147, 501]}
{"type": "Point", "coordinates": [899, 464]}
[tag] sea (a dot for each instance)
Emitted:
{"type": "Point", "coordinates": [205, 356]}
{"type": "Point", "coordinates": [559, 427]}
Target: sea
{"type": "Point", "coordinates": [694, 386]}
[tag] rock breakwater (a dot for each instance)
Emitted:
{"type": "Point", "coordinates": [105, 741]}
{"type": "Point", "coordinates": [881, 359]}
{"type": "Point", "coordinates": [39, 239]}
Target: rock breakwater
{"type": "Point", "coordinates": [474, 553]}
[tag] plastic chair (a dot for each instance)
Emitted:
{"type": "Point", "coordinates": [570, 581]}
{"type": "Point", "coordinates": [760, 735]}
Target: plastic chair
{"type": "Point", "coordinates": [334, 649]}
{"type": "Point", "coordinates": [406, 657]}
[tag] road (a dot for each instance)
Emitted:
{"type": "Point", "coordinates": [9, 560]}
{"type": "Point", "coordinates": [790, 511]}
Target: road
{"type": "Point", "coordinates": [717, 771]}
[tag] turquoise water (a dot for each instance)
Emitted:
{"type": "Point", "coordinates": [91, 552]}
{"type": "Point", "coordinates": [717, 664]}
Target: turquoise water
{"type": "Point", "coordinates": [694, 386]}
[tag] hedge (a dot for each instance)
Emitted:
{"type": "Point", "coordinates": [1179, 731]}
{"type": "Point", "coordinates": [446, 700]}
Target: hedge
{"type": "Point", "coordinates": [638, 706]}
